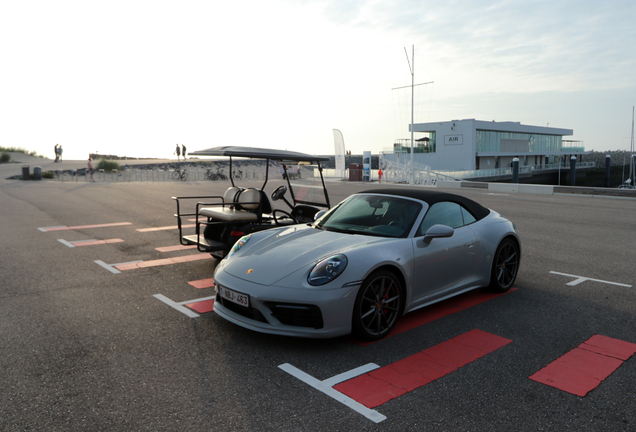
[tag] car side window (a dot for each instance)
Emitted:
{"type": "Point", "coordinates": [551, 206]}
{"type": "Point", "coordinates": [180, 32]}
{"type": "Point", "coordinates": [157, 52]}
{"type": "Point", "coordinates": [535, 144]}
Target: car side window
{"type": "Point", "coordinates": [468, 218]}
{"type": "Point", "coordinates": [444, 213]}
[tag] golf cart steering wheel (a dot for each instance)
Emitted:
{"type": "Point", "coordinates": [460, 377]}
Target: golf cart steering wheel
{"type": "Point", "coordinates": [283, 212]}
{"type": "Point", "coordinates": [279, 192]}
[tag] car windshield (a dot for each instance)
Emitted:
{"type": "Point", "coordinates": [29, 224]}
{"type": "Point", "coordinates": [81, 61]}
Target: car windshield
{"type": "Point", "coordinates": [376, 215]}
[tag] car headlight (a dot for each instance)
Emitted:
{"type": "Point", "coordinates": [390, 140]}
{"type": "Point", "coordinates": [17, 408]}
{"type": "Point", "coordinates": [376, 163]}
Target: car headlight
{"type": "Point", "coordinates": [239, 244]}
{"type": "Point", "coordinates": [327, 270]}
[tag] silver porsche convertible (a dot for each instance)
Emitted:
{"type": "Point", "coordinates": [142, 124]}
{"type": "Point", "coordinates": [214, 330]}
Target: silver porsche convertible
{"type": "Point", "coordinates": [360, 266]}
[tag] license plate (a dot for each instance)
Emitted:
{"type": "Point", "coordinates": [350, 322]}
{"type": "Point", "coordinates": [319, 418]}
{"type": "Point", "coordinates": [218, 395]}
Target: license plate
{"type": "Point", "coordinates": [234, 297]}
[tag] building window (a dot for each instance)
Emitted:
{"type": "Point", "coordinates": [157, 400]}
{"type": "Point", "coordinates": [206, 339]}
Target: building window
{"type": "Point", "coordinates": [490, 141]}
{"type": "Point", "coordinates": [425, 144]}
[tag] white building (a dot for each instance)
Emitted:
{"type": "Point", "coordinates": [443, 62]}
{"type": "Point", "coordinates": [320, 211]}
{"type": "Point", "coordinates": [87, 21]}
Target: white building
{"type": "Point", "coordinates": [467, 145]}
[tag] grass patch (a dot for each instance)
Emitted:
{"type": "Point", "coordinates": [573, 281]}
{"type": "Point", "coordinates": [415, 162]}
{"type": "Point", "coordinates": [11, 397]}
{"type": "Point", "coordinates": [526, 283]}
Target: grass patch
{"type": "Point", "coordinates": [108, 165]}
{"type": "Point", "coordinates": [20, 150]}
{"type": "Point", "coordinates": [5, 157]}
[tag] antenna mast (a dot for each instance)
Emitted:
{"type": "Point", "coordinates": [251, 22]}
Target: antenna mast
{"type": "Point", "coordinates": [412, 69]}
{"type": "Point", "coordinates": [632, 172]}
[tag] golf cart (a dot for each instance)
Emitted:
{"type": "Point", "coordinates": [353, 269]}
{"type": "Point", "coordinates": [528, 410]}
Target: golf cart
{"type": "Point", "coordinates": [222, 220]}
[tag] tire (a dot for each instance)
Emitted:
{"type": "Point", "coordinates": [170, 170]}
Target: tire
{"type": "Point", "coordinates": [505, 266]}
{"type": "Point", "coordinates": [175, 175]}
{"type": "Point", "coordinates": [184, 176]}
{"type": "Point", "coordinates": [378, 305]}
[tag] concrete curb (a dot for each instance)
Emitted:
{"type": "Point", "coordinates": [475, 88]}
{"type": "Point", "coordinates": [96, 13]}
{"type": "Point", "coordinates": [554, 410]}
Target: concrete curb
{"type": "Point", "coordinates": [541, 189]}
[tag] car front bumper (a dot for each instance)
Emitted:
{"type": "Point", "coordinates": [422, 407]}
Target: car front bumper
{"type": "Point", "coordinates": [300, 312]}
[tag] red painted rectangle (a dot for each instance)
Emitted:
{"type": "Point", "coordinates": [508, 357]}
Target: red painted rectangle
{"type": "Point", "coordinates": [381, 385]}
{"type": "Point", "coordinates": [582, 369]}
{"type": "Point", "coordinates": [96, 242]}
{"type": "Point", "coordinates": [164, 228]}
{"type": "Point", "coordinates": [165, 261]}
{"type": "Point", "coordinates": [202, 306]}
{"type": "Point", "coordinates": [86, 226]}
{"type": "Point", "coordinates": [175, 248]}
{"type": "Point", "coordinates": [202, 283]}
{"type": "Point", "coordinates": [610, 347]}
{"type": "Point", "coordinates": [439, 310]}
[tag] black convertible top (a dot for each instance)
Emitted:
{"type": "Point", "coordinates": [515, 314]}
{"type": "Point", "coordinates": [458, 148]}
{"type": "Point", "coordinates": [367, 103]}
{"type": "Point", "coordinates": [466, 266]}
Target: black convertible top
{"type": "Point", "coordinates": [432, 197]}
{"type": "Point", "coordinates": [259, 153]}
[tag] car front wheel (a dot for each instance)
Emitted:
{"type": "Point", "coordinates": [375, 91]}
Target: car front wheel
{"type": "Point", "coordinates": [504, 266]}
{"type": "Point", "coordinates": [378, 306]}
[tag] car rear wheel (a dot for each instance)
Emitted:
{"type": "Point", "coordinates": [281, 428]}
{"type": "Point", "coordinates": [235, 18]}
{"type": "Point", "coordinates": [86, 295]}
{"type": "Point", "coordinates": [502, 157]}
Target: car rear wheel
{"type": "Point", "coordinates": [505, 266]}
{"type": "Point", "coordinates": [378, 305]}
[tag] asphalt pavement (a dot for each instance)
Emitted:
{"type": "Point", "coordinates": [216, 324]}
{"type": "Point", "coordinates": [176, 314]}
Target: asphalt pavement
{"type": "Point", "coordinates": [86, 348]}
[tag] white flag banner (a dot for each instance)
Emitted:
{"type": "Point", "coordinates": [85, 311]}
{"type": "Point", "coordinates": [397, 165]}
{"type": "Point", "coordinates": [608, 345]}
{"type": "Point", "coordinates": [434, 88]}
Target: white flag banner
{"type": "Point", "coordinates": [339, 147]}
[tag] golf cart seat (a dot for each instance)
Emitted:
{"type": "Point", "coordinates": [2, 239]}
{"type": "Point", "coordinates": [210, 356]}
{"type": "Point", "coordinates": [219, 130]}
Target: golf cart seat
{"type": "Point", "coordinates": [238, 205]}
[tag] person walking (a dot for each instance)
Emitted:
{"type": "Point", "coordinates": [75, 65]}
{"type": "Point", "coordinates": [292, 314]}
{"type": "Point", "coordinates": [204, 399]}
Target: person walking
{"type": "Point", "coordinates": [59, 153]}
{"type": "Point", "coordinates": [90, 168]}
{"type": "Point", "coordinates": [56, 155]}
{"type": "Point", "coordinates": [178, 151]}
{"type": "Point", "coordinates": [183, 150]}
{"type": "Point", "coordinates": [380, 175]}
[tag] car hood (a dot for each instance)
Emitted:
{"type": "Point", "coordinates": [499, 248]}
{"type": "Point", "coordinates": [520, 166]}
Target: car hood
{"type": "Point", "coordinates": [272, 255]}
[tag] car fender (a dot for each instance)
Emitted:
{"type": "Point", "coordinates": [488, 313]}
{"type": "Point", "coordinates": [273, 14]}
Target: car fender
{"type": "Point", "coordinates": [491, 231]}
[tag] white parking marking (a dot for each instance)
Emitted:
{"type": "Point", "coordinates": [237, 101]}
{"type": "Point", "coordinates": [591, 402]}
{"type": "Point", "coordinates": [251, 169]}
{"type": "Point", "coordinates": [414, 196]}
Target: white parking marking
{"type": "Point", "coordinates": [48, 228]}
{"type": "Point", "coordinates": [111, 267]}
{"type": "Point", "coordinates": [179, 305]}
{"type": "Point", "coordinates": [326, 387]}
{"type": "Point", "coordinates": [65, 243]}
{"type": "Point", "coordinates": [345, 376]}
{"type": "Point", "coordinates": [581, 279]}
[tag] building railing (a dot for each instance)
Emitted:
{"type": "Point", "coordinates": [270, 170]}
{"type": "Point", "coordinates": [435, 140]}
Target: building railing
{"type": "Point", "coordinates": [497, 172]}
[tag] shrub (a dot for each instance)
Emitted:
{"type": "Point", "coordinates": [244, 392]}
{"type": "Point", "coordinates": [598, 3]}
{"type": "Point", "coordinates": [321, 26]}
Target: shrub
{"type": "Point", "coordinates": [48, 174]}
{"type": "Point", "coordinates": [20, 150]}
{"type": "Point", "coordinates": [5, 157]}
{"type": "Point", "coordinates": [107, 165]}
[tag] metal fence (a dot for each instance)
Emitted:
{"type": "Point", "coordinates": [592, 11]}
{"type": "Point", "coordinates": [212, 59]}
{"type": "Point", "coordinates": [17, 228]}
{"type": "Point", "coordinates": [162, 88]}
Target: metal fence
{"type": "Point", "coordinates": [171, 175]}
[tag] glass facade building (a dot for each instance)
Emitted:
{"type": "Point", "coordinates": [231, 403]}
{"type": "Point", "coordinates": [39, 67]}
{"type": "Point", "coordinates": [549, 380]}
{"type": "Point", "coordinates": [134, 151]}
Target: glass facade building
{"type": "Point", "coordinates": [490, 141]}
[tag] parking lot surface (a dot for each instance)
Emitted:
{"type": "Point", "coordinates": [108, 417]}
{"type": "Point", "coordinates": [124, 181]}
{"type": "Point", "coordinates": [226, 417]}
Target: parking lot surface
{"type": "Point", "coordinates": [106, 323]}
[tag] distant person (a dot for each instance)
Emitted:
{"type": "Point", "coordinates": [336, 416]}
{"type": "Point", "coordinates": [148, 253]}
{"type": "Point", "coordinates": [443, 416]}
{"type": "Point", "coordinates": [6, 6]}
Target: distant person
{"type": "Point", "coordinates": [59, 153]}
{"type": "Point", "coordinates": [183, 150]}
{"type": "Point", "coordinates": [56, 155]}
{"type": "Point", "coordinates": [178, 151]}
{"type": "Point", "coordinates": [90, 168]}
{"type": "Point", "coordinates": [380, 175]}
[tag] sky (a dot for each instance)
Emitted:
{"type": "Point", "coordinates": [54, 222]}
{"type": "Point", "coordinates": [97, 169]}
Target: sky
{"type": "Point", "coordinates": [134, 78]}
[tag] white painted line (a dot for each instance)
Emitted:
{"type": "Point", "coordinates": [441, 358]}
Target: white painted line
{"type": "Point", "coordinates": [107, 266]}
{"type": "Point", "coordinates": [177, 306]}
{"type": "Point", "coordinates": [48, 228]}
{"type": "Point", "coordinates": [195, 300]}
{"type": "Point", "coordinates": [329, 391]}
{"type": "Point", "coordinates": [111, 267]}
{"type": "Point", "coordinates": [65, 243]}
{"type": "Point", "coordinates": [84, 241]}
{"type": "Point", "coordinates": [581, 279]}
{"type": "Point", "coordinates": [345, 376]}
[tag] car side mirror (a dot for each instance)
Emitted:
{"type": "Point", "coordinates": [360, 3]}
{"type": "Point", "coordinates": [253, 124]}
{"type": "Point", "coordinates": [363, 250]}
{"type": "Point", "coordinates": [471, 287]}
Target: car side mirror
{"type": "Point", "coordinates": [319, 214]}
{"type": "Point", "coordinates": [438, 231]}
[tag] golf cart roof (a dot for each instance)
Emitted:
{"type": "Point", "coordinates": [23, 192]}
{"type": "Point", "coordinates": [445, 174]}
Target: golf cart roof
{"type": "Point", "coordinates": [259, 153]}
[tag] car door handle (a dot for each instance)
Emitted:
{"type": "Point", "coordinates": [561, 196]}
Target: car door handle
{"type": "Point", "coordinates": [470, 244]}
